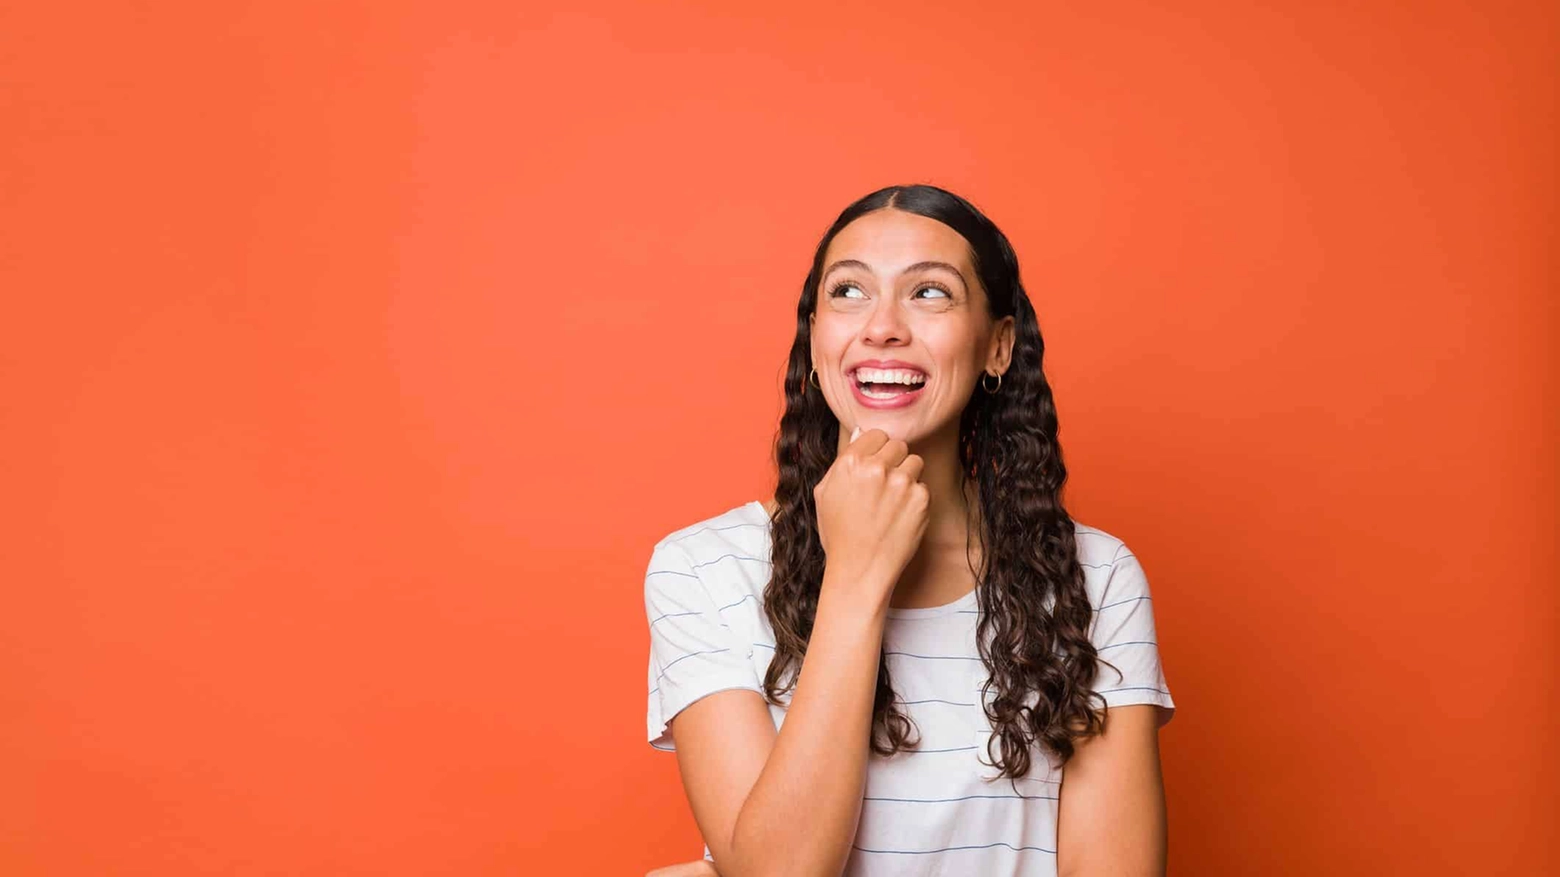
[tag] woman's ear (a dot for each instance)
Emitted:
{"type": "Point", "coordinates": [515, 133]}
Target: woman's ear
{"type": "Point", "coordinates": [1002, 345]}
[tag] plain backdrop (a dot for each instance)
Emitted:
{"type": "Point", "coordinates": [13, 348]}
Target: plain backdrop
{"type": "Point", "coordinates": [354, 355]}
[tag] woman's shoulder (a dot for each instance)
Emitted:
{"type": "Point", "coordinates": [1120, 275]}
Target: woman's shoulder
{"type": "Point", "coordinates": [728, 552]}
{"type": "Point", "coordinates": [736, 526]}
{"type": "Point", "coordinates": [1095, 543]}
{"type": "Point", "coordinates": [1109, 566]}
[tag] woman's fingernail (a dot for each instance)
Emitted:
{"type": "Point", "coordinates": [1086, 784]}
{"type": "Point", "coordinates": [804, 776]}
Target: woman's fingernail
{"type": "Point", "coordinates": [854, 433]}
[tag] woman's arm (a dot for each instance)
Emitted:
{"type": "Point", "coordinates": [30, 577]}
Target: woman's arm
{"type": "Point", "coordinates": [788, 803]}
{"type": "Point", "coordinates": [1112, 810]}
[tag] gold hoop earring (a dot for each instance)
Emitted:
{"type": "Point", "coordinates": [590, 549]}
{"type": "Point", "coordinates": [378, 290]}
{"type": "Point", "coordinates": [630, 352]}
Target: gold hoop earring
{"type": "Point", "coordinates": [992, 390]}
{"type": "Point", "coordinates": [812, 378]}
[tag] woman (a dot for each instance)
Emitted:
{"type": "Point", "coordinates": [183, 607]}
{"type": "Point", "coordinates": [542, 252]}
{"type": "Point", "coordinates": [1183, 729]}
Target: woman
{"type": "Point", "coordinates": [886, 668]}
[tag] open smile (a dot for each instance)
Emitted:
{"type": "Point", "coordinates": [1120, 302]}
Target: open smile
{"type": "Point", "coordinates": [894, 387]}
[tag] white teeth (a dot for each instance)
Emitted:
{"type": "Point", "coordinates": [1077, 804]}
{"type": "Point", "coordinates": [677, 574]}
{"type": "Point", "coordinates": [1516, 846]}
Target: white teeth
{"type": "Point", "coordinates": [889, 376]}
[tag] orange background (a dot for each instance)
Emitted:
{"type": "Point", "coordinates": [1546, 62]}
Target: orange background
{"type": "Point", "coordinates": [354, 356]}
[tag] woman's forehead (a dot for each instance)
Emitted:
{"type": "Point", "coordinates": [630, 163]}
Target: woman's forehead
{"type": "Point", "coordinates": [890, 241]}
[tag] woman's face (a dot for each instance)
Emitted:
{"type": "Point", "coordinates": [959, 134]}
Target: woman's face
{"type": "Point", "coordinates": [900, 306]}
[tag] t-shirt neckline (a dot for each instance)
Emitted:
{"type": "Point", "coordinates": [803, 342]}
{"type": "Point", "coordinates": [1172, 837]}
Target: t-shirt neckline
{"type": "Point", "coordinates": [967, 601]}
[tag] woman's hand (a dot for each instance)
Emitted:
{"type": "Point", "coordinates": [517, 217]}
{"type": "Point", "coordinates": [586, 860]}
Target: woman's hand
{"type": "Point", "coordinates": [695, 868]}
{"type": "Point", "coordinates": [872, 513]}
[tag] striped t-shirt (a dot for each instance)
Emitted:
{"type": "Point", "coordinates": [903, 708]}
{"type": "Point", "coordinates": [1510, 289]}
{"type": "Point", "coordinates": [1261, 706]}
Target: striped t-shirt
{"type": "Point", "coordinates": [926, 811]}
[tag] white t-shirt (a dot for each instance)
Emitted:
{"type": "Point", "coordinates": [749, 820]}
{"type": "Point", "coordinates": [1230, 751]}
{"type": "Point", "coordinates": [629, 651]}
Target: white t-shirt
{"type": "Point", "coordinates": [926, 811]}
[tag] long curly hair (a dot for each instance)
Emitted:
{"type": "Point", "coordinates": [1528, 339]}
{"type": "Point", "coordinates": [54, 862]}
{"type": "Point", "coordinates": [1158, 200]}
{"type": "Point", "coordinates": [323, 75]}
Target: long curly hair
{"type": "Point", "coordinates": [1032, 631]}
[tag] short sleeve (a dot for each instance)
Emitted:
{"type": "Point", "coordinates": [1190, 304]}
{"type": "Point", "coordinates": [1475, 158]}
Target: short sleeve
{"type": "Point", "coordinates": [693, 652]}
{"type": "Point", "coordinates": [1123, 633]}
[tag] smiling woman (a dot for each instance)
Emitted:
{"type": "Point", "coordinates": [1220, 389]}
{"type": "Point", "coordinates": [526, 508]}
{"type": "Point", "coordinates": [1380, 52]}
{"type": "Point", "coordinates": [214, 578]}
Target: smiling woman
{"type": "Point", "coordinates": [912, 660]}
{"type": "Point", "coordinates": [881, 310]}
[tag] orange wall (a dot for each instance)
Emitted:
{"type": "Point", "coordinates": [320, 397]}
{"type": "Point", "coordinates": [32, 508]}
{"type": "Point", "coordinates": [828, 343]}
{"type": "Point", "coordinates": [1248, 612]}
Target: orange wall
{"type": "Point", "coordinates": [353, 358]}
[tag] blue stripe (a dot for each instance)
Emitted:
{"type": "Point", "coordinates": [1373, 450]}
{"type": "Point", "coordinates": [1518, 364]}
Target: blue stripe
{"type": "Point", "coordinates": [718, 609]}
{"type": "Point", "coordinates": [947, 849]}
{"type": "Point", "coordinates": [733, 556]}
{"type": "Point", "coordinates": [936, 700]}
{"type": "Point", "coordinates": [1120, 603]}
{"type": "Point", "coordinates": [1132, 643]}
{"type": "Point", "coordinates": [936, 657]}
{"type": "Point", "coordinates": [673, 615]}
{"type": "Point", "coordinates": [670, 572]}
{"type": "Point", "coordinates": [1113, 561]}
{"type": "Point", "coordinates": [686, 536]}
{"type": "Point", "coordinates": [686, 657]}
{"type": "Point", "coordinates": [711, 652]}
{"type": "Point", "coordinates": [928, 751]}
{"type": "Point", "coordinates": [960, 612]}
{"type": "Point", "coordinates": [965, 798]}
{"type": "Point", "coordinates": [738, 603]}
{"type": "Point", "coordinates": [1133, 688]}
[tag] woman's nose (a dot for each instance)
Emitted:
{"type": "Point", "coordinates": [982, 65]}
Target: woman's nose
{"type": "Point", "coordinates": [886, 323]}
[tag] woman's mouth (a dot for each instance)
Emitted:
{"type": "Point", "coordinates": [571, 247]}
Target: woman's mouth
{"type": "Point", "coordinates": [887, 388]}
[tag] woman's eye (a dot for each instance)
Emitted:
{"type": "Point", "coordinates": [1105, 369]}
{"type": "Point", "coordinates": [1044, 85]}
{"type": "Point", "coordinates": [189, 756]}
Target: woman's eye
{"type": "Point", "coordinates": [839, 291]}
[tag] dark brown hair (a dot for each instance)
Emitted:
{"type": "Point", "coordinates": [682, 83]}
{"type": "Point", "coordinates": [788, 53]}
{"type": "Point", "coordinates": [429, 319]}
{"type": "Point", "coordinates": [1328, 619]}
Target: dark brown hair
{"type": "Point", "coordinates": [1034, 613]}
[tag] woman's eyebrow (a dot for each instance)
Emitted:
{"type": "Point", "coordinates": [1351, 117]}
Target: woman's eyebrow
{"type": "Point", "coordinates": [919, 266]}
